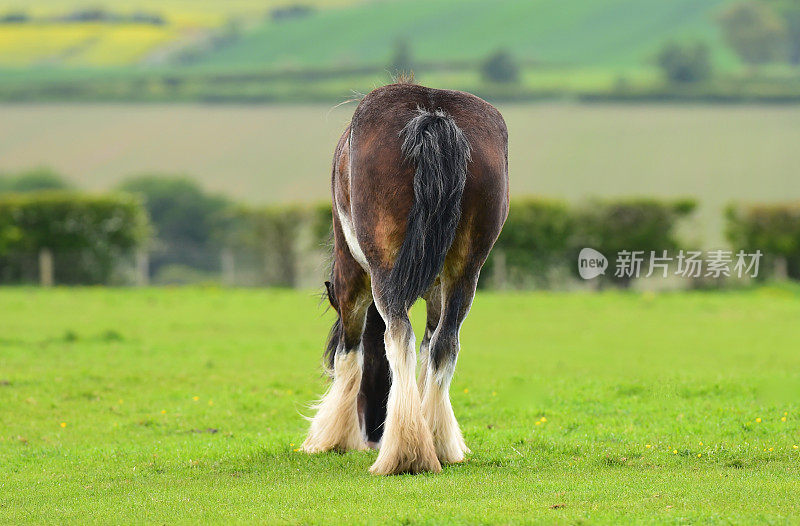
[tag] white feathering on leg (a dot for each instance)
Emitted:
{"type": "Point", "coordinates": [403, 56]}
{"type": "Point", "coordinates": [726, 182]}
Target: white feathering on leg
{"type": "Point", "coordinates": [336, 425]}
{"type": "Point", "coordinates": [407, 445]}
{"type": "Point", "coordinates": [438, 411]}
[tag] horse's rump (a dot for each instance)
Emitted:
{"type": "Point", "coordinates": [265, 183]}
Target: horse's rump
{"type": "Point", "coordinates": [420, 193]}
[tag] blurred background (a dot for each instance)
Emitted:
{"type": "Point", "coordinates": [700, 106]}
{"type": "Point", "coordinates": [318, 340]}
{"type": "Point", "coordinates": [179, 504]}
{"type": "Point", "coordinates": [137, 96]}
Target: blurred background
{"type": "Point", "coordinates": [176, 141]}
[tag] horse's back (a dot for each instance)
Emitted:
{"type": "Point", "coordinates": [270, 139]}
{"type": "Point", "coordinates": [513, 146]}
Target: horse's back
{"type": "Point", "coordinates": [384, 112]}
{"type": "Point", "coordinates": [384, 179]}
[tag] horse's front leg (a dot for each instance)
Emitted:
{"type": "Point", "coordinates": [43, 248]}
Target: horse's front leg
{"type": "Point", "coordinates": [336, 424]}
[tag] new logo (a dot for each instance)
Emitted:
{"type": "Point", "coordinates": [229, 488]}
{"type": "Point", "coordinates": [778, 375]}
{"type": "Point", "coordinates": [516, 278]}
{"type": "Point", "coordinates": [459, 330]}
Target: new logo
{"type": "Point", "coordinates": [591, 263]}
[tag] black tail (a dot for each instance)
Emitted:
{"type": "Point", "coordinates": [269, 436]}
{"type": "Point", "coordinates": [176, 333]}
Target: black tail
{"type": "Point", "coordinates": [440, 150]}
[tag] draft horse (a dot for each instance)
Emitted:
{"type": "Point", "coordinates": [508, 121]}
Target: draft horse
{"type": "Point", "coordinates": [420, 194]}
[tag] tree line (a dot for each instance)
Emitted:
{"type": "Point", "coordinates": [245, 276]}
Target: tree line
{"type": "Point", "coordinates": [188, 235]}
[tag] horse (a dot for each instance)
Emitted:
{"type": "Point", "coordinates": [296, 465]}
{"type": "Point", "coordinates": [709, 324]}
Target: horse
{"type": "Point", "coordinates": [420, 194]}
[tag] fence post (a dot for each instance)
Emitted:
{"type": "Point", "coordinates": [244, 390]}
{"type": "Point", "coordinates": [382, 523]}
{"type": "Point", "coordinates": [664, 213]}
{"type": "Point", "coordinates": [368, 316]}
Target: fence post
{"type": "Point", "coordinates": [142, 268]}
{"type": "Point", "coordinates": [228, 268]}
{"type": "Point", "coordinates": [781, 269]}
{"type": "Point", "coordinates": [45, 267]}
{"type": "Point", "coordinates": [499, 273]}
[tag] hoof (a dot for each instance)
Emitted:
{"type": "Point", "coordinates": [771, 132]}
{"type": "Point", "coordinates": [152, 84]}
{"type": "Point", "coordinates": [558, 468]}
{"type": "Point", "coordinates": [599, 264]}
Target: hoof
{"type": "Point", "coordinates": [452, 455]}
{"type": "Point", "coordinates": [316, 444]}
{"type": "Point", "coordinates": [412, 460]}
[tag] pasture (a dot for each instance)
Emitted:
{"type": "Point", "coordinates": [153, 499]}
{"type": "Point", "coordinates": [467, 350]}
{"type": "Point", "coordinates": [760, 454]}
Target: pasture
{"type": "Point", "coordinates": [455, 30]}
{"type": "Point", "coordinates": [182, 405]}
{"type": "Point", "coordinates": [446, 30]}
{"type": "Point", "coordinates": [282, 153]}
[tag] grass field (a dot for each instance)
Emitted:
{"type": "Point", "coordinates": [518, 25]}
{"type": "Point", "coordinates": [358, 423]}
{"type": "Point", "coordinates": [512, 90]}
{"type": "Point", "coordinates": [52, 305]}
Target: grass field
{"type": "Point", "coordinates": [86, 44]}
{"type": "Point", "coordinates": [182, 405]}
{"type": "Point", "coordinates": [282, 153]}
{"type": "Point", "coordinates": [50, 43]}
{"type": "Point", "coordinates": [590, 32]}
{"type": "Point", "coordinates": [621, 35]}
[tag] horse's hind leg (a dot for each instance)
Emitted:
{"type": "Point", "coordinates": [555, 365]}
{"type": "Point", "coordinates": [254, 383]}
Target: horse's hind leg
{"type": "Point", "coordinates": [456, 296]}
{"type": "Point", "coordinates": [407, 445]}
{"type": "Point", "coordinates": [433, 308]}
{"type": "Point", "coordinates": [336, 424]}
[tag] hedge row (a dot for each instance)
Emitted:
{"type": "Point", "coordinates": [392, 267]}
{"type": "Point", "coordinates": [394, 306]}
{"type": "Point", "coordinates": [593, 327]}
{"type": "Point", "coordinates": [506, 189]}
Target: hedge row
{"type": "Point", "coordinates": [539, 244]}
{"type": "Point", "coordinates": [85, 234]}
{"type": "Point", "coordinates": [774, 229]}
{"type": "Point", "coordinates": [542, 237]}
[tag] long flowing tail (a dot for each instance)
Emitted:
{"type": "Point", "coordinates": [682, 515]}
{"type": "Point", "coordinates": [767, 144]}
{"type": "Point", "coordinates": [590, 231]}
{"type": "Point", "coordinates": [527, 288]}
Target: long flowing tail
{"type": "Point", "coordinates": [440, 150]}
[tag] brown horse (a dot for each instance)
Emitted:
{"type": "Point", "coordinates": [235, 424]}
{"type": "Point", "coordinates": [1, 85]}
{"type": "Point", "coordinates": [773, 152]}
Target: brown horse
{"type": "Point", "coordinates": [420, 194]}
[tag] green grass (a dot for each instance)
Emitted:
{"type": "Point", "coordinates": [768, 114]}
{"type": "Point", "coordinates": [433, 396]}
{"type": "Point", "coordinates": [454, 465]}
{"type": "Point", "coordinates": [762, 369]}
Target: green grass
{"type": "Point", "coordinates": [559, 396]}
{"type": "Point", "coordinates": [618, 33]}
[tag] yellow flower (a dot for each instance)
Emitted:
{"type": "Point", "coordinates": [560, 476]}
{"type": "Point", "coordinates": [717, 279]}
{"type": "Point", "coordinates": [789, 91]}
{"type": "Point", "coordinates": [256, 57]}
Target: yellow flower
{"type": "Point", "coordinates": [195, 398]}
{"type": "Point", "coordinates": [120, 401]}
{"type": "Point", "coordinates": [291, 443]}
{"type": "Point", "coordinates": [785, 413]}
{"type": "Point", "coordinates": [648, 446]}
{"type": "Point", "coordinates": [494, 393]}
{"type": "Point", "coordinates": [699, 455]}
{"type": "Point", "coordinates": [63, 424]}
{"type": "Point", "coordinates": [544, 419]}
{"type": "Point", "coordinates": [539, 423]}
{"type": "Point", "coordinates": [211, 402]}
{"type": "Point", "coordinates": [771, 449]}
{"type": "Point", "coordinates": [795, 447]}
{"type": "Point", "coordinates": [674, 451]}
{"type": "Point", "coordinates": [163, 411]}
{"type": "Point", "coordinates": [758, 420]}
{"type": "Point", "coordinates": [466, 390]}
{"type": "Point", "coordinates": [701, 443]}
{"type": "Point", "coordinates": [783, 419]}
{"type": "Point", "coordinates": [297, 449]}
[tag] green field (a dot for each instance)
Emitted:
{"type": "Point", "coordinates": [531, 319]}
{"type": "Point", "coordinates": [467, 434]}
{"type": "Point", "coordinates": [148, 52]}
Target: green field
{"type": "Point", "coordinates": [618, 33]}
{"type": "Point", "coordinates": [46, 43]}
{"type": "Point", "coordinates": [274, 154]}
{"type": "Point", "coordinates": [182, 405]}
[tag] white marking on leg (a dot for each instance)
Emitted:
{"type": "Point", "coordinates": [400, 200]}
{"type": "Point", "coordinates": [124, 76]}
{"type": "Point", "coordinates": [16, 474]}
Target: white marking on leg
{"type": "Point", "coordinates": [436, 406]}
{"type": "Point", "coordinates": [424, 358]}
{"type": "Point", "coordinates": [438, 411]}
{"type": "Point", "coordinates": [407, 445]}
{"type": "Point", "coordinates": [336, 425]}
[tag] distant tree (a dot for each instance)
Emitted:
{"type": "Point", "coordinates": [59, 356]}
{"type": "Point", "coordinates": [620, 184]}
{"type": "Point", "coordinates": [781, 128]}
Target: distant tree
{"type": "Point", "coordinates": [402, 61]}
{"type": "Point", "coordinates": [500, 66]}
{"type": "Point", "coordinates": [89, 14]}
{"type": "Point", "coordinates": [185, 219]}
{"type": "Point", "coordinates": [290, 12]}
{"type": "Point", "coordinates": [15, 17]}
{"type": "Point", "coordinates": [32, 181]}
{"type": "Point", "coordinates": [144, 17]}
{"type": "Point", "coordinates": [684, 63]}
{"type": "Point", "coordinates": [789, 11]}
{"type": "Point", "coordinates": [754, 31]}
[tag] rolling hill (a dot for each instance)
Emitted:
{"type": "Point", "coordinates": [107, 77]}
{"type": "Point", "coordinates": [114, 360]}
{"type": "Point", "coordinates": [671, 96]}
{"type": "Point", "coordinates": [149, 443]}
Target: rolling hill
{"type": "Point", "coordinates": [606, 33]}
{"type": "Point", "coordinates": [585, 33]}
